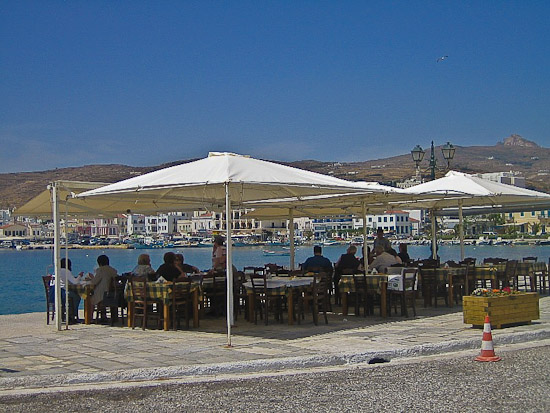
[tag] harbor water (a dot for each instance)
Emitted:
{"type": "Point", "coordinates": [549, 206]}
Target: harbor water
{"type": "Point", "coordinates": [21, 271]}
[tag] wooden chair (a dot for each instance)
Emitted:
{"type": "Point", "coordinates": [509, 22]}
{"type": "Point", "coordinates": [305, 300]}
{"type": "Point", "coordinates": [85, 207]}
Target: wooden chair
{"type": "Point", "coordinates": [264, 299]}
{"type": "Point", "coordinates": [50, 305]}
{"type": "Point", "coordinates": [182, 301]}
{"type": "Point", "coordinates": [510, 276]}
{"type": "Point", "coordinates": [112, 300]}
{"type": "Point", "coordinates": [240, 296]}
{"type": "Point", "coordinates": [407, 291]}
{"type": "Point", "coordinates": [361, 294]}
{"type": "Point", "coordinates": [431, 287]}
{"type": "Point", "coordinates": [460, 280]}
{"type": "Point", "coordinates": [336, 280]}
{"type": "Point", "coordinates": [214, 293]}
{"type": "Point", "coordinates": [143, 307]}
{"type": "Point", "coordinates": [320, 290]}
{"type": "Point", "coordinates": [542, 279]}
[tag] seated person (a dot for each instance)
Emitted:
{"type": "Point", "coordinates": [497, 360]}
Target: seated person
{"type": "Point", "coordinates": [219, 258]}
{"type": "Point", "coordinates": [347, 263]}
{"type": "Point", "coordinates": [403, 254]}
{"type": "Point", "coordinates": [317, 261]}
{"type": "Point", "coordinates": [382, 259]}
{"type": "Point", "coordinates": [101, 281]}
{"type": "Point", "coordinates": [183, 267]}
{"type": "Point", "coordinates": [168, 270]}
{"type": "Point", "coordinates": [65, 273]}
{"type": "Point", "coordinates": [144, 269]}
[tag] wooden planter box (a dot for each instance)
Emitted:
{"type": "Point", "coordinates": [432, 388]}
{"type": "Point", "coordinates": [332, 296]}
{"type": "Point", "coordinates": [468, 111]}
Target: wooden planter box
{"type": "Point", "coordinates": [509, 309]}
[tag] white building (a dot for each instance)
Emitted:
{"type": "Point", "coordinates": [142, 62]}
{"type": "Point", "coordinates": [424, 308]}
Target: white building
{"type": "Point", "coordinates": [510, 178]}
{"type": "Point", "coordinates": [135, 224]}
{"type": "Point", "coordinates": [394, 222]}
{"type": "Point", "coordinates": [5, 216]}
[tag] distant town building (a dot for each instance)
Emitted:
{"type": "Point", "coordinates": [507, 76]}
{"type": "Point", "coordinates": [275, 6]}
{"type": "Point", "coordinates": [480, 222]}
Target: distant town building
{"type": "Point", "coordinates": [509, 178]}
{"type": "Point", "coordinates": [5, 216]}
{"type": "Point", "coordinates": [14, 230]}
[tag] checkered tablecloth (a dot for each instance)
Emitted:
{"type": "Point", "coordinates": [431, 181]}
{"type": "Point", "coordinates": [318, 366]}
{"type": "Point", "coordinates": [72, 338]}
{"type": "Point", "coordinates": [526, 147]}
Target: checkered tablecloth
{"type": "Point", "coordinates": [346, 284]}
{"type": "Point", "coordinates": [157, 291]}
{"type": "Point", "coordinates": [83, 290]}
{"type": "Point", "coordinates": [279, 285]}
{"type": "Point", "coordinates": [527, 269]}
{"type": "Point", "coordinates": [486, 272]}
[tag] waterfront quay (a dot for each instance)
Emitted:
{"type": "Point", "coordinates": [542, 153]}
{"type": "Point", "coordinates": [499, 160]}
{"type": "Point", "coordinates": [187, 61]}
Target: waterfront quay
{"type": "Point", "coordinates": [35, 357]}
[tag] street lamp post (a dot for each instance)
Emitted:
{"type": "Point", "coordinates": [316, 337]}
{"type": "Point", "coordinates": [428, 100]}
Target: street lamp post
{"type": "Point", "coordinates": [417, 154]}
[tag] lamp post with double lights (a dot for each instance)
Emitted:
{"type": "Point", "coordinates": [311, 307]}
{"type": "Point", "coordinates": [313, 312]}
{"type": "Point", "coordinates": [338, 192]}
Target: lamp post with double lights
{"type": "Point", "coordinates": [418, 153]}
{"type": "Point", "coordinates": [448, 151]}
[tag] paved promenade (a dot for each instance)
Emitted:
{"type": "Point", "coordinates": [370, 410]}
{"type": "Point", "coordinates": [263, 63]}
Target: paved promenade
{"type": "Point", "coordinates": [34, 355]}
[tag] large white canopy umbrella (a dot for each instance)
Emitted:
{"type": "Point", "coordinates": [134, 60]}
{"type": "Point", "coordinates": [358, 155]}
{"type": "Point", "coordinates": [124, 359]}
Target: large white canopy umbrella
{"type": "Point", "coordinates": [464, 190]}
{"type": "Point", "coordinates": [223, 179]}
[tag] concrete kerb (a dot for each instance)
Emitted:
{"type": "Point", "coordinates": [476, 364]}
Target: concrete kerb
{"type": "Point", "coordinates": [259, 366]}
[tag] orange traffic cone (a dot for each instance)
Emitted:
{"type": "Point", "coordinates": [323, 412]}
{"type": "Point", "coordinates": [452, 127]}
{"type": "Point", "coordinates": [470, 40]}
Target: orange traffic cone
{"type": "Point", "coordinates": [487, 351]}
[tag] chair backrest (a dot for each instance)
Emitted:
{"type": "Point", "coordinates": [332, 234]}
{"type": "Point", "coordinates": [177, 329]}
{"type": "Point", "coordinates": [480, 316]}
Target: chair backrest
{"type": "Point", "coordinates": [428, 263]}
{"type": "Point", "coordinates": [272, 268]}
{"type": "Point", "coordinates": [494, 260]}
{"type": "Point", "coordinates": [139, 289]}
{"type": "Point", "coordinates": [259, 283]}
{"type": "Point", "coordinates": [511, 267]}
{"type": "Point", "coordinates": [238, 280]}
{"type": "Point", "coordinates": [321, 283]}
{"type": "Point", "coordinates": [529, 259]}
{"type": "Point", "coordinates": [360, 282]}
{"type": "Point", "coordinates": [46, 279]}
{"type": "Point", "coordinates": [427, 275]}
{"type": "Point", "coordinates": [453, 264]}
{"type": "Point", "coordinates": [181, 288]}
{"type": "Point", "coordinates": [409, 279]}
{"type": "Point", "coordinates": [469, 260]}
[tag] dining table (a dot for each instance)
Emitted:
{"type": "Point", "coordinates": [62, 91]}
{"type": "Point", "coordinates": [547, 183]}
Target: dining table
{"type": "Point", "coordinates": [286, 286]}
{"type": "Point", "coordinates": [376, 282]}
{"type": "Point", "coordinates": [162, 292]}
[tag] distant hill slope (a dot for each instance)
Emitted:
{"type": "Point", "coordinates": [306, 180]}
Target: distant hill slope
{"type": "Point", "coordinates": [514, 153]}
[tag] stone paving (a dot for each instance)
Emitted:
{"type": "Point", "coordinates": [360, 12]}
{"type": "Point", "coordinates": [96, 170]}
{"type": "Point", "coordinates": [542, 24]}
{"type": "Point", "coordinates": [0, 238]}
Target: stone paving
{"type": "Point", "coordinates": [28, 347]}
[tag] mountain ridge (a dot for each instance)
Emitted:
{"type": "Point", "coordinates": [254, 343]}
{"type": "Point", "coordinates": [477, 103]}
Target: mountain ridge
{"type": "Point", "coordinates": [520, 155]}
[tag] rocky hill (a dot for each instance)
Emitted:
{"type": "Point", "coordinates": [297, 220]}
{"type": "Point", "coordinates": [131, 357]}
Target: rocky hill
{"type": "Point", "coordinates": [512, 154]}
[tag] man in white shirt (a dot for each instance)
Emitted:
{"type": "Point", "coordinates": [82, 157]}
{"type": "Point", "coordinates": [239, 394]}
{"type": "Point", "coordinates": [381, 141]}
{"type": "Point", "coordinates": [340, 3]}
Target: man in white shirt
{"type": "Point", "coordinates": [383, 259]}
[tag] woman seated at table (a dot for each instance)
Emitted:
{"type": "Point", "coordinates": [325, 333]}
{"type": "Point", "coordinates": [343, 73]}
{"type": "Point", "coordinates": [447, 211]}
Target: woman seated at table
{"type": "Point", "coordinates": [169, 271]}
{"type": "Point", "coordinates": [144, 269]}
{"type": "Point", "coordinates": [383, 259]}
{"type": "Point", "coordinates": [183, 267]}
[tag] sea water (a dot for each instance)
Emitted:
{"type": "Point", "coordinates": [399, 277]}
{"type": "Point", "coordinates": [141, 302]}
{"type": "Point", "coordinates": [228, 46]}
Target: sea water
{"type": "Point", "coordinates": [22, 290]}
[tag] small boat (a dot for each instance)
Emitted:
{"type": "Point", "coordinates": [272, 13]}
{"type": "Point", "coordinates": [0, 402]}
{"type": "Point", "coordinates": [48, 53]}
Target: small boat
{"type": "Point", "coordinates": [276, 253]}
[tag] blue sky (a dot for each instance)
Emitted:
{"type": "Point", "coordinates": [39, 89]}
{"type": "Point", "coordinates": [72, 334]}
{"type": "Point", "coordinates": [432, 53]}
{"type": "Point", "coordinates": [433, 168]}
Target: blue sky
{"type": "Point", "coordinates": [141, 83]}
